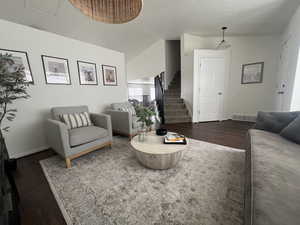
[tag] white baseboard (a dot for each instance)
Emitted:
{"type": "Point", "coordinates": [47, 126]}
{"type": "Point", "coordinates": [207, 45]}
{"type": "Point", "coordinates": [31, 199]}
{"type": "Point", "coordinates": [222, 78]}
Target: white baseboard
{"type": "Point", "coordinates": [29, 152]}
{"type": "Point", "coordinates": [246, 118]}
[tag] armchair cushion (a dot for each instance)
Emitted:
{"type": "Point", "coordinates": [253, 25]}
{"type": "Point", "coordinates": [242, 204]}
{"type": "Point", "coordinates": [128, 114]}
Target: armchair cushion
{"type": "Point", "coordinates": [124, 107]}
{"type": "Point", "coordinates": [56, 111]}
{"type": "Point", "coordinates": [82, 135]}
{"type": "Point", "coordinates": [76, 120]}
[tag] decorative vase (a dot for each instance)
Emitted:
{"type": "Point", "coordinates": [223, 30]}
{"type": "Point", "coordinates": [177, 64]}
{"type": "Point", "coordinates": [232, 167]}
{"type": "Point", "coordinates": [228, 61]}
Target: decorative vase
{"type": "Point", "coordinates": [142, 134]}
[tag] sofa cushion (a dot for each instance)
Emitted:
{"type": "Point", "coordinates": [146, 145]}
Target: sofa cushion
{"type": "Point", "coordinates": [292, 131]}
{"type": "Point", "coordinates": [274, 121]}
{"type": "Point", "coordinates": [82, 135]}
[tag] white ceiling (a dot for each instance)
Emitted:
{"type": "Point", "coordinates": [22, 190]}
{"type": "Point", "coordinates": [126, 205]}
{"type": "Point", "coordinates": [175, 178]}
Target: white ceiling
{"type": "Point", "coordinates": [160, 19]}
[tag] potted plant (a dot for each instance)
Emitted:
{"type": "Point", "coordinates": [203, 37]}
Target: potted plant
{"type": "Point", "coordinates": [13, 86]}
{"type": "Point", "coordinates": [144, 115]}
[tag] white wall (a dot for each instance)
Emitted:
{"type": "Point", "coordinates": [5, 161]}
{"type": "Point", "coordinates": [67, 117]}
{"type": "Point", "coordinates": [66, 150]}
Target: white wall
{"type": "Point", "coordinates": [27, 133]}
{"type": "Point", "coordinates": [291, 42]}
{"type": "Point", "coordinates": [187, 74]}
{"type": "Point", "coordinates": [243, 99]}
{"type": "Point", "coordinates": [172, 60]}
{"type": "Point", "coordinates": [149, 63]}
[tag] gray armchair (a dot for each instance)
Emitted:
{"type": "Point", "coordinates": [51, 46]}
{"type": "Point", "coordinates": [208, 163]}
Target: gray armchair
{"type": "Point", "coordinates": [73, 143]}
{"type": "Point", "coordinates": [124, 120]}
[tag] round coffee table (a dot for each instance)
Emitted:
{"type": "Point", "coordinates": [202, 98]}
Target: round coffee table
{"type": "Point", "coordinates": [154, 154]}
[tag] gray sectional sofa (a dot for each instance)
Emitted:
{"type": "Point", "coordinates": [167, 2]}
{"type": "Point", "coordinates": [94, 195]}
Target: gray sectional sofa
{"type": "Point", "coordinates": [272, 195]}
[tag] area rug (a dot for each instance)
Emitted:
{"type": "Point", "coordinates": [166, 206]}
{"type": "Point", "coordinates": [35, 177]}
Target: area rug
{"type": "Point", "coordinates": [109, 187]}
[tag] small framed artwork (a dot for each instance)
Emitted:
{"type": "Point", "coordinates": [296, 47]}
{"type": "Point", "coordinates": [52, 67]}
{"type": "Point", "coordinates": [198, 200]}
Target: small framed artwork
{"type": "Point", "coordinates": [87, 73]}
{"type": "Point", "coordinates": [21, 59]}
{"type": "Point", "coordinates": [56, 70]}
{"type": "Point", "coordinates": [109, 75]}
{"type": "Point", "coordinates": [253, 73]}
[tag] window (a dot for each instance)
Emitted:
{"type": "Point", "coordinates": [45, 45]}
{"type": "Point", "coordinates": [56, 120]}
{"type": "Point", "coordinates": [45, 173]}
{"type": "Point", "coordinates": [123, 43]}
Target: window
{"type": "Point", "coordinates": [152, 93]}
{"type": "Point", "coordinates": [136, 93]}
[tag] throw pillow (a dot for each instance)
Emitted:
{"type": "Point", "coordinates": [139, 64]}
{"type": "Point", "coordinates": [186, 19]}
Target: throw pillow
{"type": "Point", "coordinates": [292, 131]}
{"type": "Point", "coordinates": [76, 120]}
{"type": "Point", "coordinates": [129, 109]}
{"type": "Point", "coordinates": [274, 121]}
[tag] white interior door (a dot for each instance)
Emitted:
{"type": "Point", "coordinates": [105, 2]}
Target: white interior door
{"type": "Point", "coordinates": [211, 88]}
{"type": "Point", "coordinates": [282, 79]}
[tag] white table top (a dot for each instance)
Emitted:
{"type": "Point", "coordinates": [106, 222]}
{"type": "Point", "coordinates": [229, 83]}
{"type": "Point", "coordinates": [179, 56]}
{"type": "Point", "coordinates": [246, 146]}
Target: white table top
{"type": "Point", "coordinates": [154, 144]}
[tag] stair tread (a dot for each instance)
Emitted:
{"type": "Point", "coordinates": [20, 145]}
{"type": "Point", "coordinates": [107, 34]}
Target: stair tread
{"type": "Point", "coordinates": [175, 103]}
{"type": "Point", "coordinates": [173, 99]}
{"type": "Point", "coordinates": [173, 96]}
{"type": "Point", "coordinates": [177, 111]}
{"type": "Point", "coordinates": [183, 111]}
{"type": "Point", "coordinates": [177, 117]}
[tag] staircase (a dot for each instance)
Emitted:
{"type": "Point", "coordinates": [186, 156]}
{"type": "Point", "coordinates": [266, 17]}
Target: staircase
{"type": "Point", "coordinates": [174, 108]}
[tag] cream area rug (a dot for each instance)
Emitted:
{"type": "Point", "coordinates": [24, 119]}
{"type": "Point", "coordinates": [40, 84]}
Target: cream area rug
{"type": "Point", "coordinates": [109, 187]}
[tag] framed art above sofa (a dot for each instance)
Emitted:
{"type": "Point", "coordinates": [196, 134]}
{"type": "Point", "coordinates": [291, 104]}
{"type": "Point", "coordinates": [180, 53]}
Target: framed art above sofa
{"type": "Point", "coordinates": [87, 73]}
{"type": "Point", "coordinates": [109, 75]}
{"type": "Point", "coordinates": [56, 70]}
{"type": "Point", "coordinates": [252, 73]}
{"type": "Point", "coordinates": [20, 59]}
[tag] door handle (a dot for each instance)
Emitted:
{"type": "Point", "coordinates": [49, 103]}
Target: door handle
{"type": "Point", "coordinates": [280, 92]}
{"type": "Point", "coordinates": [220, 93]}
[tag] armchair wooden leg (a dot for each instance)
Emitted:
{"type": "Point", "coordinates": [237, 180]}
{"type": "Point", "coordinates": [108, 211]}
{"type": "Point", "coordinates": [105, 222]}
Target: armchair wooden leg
{"type": "Point", "coordinates": [68, 163]}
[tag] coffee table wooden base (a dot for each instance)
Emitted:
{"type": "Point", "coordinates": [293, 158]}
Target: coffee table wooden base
{"type": "Point", "coordinates": [158, 162]}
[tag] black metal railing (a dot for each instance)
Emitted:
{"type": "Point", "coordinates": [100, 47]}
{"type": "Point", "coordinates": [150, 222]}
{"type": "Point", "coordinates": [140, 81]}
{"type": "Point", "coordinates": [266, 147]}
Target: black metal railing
{"type": "Point", "coordinates": [159, 95]}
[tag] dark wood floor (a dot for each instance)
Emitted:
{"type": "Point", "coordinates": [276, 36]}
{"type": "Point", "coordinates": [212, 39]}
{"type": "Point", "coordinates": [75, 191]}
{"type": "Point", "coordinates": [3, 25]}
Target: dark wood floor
{"type": "Point", "coordinates": [37, 204]}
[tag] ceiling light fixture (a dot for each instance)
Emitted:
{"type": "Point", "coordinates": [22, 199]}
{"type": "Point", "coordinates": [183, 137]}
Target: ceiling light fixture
{"type": "Point", "coordinates": [110, 11]}
{"type": "Point", "coordinates": [223, 44]}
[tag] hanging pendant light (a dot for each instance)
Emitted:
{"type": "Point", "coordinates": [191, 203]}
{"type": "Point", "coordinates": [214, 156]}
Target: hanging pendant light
{"type": "Point", "coordinates": [223, 44]}
{"type": "Point", "coordinates": [110, 11]}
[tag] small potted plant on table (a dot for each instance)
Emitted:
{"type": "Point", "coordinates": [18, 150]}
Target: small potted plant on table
{"type": "Point", "coordinates": [145, 115]}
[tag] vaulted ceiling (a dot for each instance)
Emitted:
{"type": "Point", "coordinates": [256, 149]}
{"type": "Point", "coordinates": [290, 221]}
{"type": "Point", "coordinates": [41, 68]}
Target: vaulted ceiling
{"type": "Point", "coordinates": [159, 19]}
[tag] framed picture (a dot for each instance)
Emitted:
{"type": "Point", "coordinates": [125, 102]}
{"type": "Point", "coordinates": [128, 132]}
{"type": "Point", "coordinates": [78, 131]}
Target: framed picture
{"type": "Point", "coordinates": [109, 75]}
{"type": "Point", "coordinates": [253, 73]}
{"type": "Point", "coordinates": [56, 70]}
{"type": "Point", "coordinates": [87, 73]}
{"type": "Point", "coordinates": [21, 59]}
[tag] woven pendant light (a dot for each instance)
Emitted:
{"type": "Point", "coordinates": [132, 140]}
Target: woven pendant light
{"type": "Point", "coordinates": [110, 11]}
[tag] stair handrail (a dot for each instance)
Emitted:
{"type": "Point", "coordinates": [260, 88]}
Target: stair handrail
{"type": "Point", "coordinates": [159, 95]}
